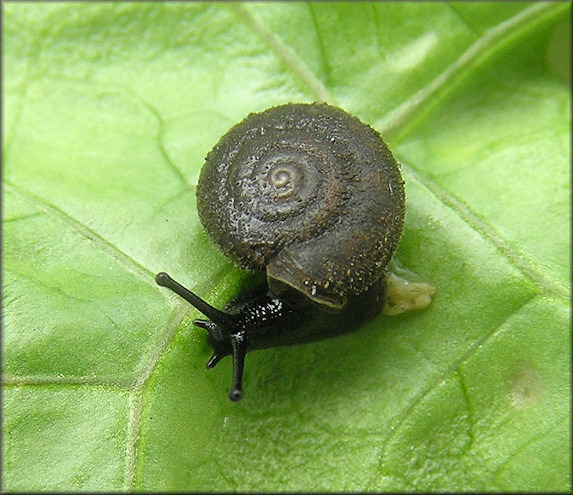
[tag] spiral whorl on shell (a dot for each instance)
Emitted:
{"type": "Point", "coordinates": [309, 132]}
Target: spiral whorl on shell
{"type": "Point", "coordinates": [307, 192]}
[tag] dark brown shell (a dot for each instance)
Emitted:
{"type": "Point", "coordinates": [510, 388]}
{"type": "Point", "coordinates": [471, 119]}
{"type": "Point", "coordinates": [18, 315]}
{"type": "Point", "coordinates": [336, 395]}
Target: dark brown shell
{"type": "Point", "coordinates": [307, 192]}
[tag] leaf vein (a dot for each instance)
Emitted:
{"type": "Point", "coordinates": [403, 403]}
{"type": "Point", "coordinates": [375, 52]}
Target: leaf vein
{"type": "Point", "coordinates": [495, 475]}
{"type": "Point", "coordinates": [124, 383]}
{"type": "Point", "coordinates": [463, 20]}
{"type": "Point", "coordinates": [160, 136]}
{"type": "Point", "coordinates": [321, 47]}
{"type": "Point", "coordinates": [100, 242]}
{"type": "Point", "coordinates": [452, 369]}
{"type": "Point", "coordinates": [487, 232]}
{"type": "Point", "coordinates": [133, 436]}
{"type": "Point", "coordinates": [403, 117]}
{"type": "Point", "coordinates": [283, 52]}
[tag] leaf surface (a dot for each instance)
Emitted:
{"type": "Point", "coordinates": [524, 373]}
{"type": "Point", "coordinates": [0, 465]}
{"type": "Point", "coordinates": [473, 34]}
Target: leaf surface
{"type": "Point", "coordinates": [109, 110]}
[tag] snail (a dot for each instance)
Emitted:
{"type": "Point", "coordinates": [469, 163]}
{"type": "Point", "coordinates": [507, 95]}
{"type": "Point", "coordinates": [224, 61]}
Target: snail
{"type": "Point", "coordinates": [312, 196]}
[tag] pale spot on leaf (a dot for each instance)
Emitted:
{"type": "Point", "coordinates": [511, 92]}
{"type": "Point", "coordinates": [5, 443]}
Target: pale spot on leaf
{"type": "Point", "coordinates": [526, 387]}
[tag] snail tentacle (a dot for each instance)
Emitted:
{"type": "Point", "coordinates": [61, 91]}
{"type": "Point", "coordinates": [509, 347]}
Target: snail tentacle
{"type": "Point", "coordinates": [220, 318]}
{"type": "Point", "coordinates": [239, 344]}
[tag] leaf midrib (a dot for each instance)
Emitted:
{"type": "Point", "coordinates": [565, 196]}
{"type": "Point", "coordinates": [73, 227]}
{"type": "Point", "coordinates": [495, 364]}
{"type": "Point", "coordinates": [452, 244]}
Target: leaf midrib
{"type": "Point", "coordinates": [397, 122]}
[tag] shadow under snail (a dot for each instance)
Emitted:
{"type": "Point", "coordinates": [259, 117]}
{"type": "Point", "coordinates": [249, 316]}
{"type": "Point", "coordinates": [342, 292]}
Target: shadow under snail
{"type": "Point", "coordinates": [314, 197]}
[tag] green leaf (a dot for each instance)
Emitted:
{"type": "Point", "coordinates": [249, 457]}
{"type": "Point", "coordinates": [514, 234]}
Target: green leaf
{"type": "Point", "coordinates": [109, 110]}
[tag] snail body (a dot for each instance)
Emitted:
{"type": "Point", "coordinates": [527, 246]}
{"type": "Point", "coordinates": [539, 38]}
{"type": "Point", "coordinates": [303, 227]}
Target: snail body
{"type": "Point", "coordinates": [314, 197]}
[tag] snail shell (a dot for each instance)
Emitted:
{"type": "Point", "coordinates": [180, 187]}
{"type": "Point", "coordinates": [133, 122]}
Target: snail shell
{"type": "Point", "coordinates": [308, 193]}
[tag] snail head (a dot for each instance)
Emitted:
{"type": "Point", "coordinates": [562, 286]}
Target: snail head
{"type": "Point", "coordinates": [224, 330]}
